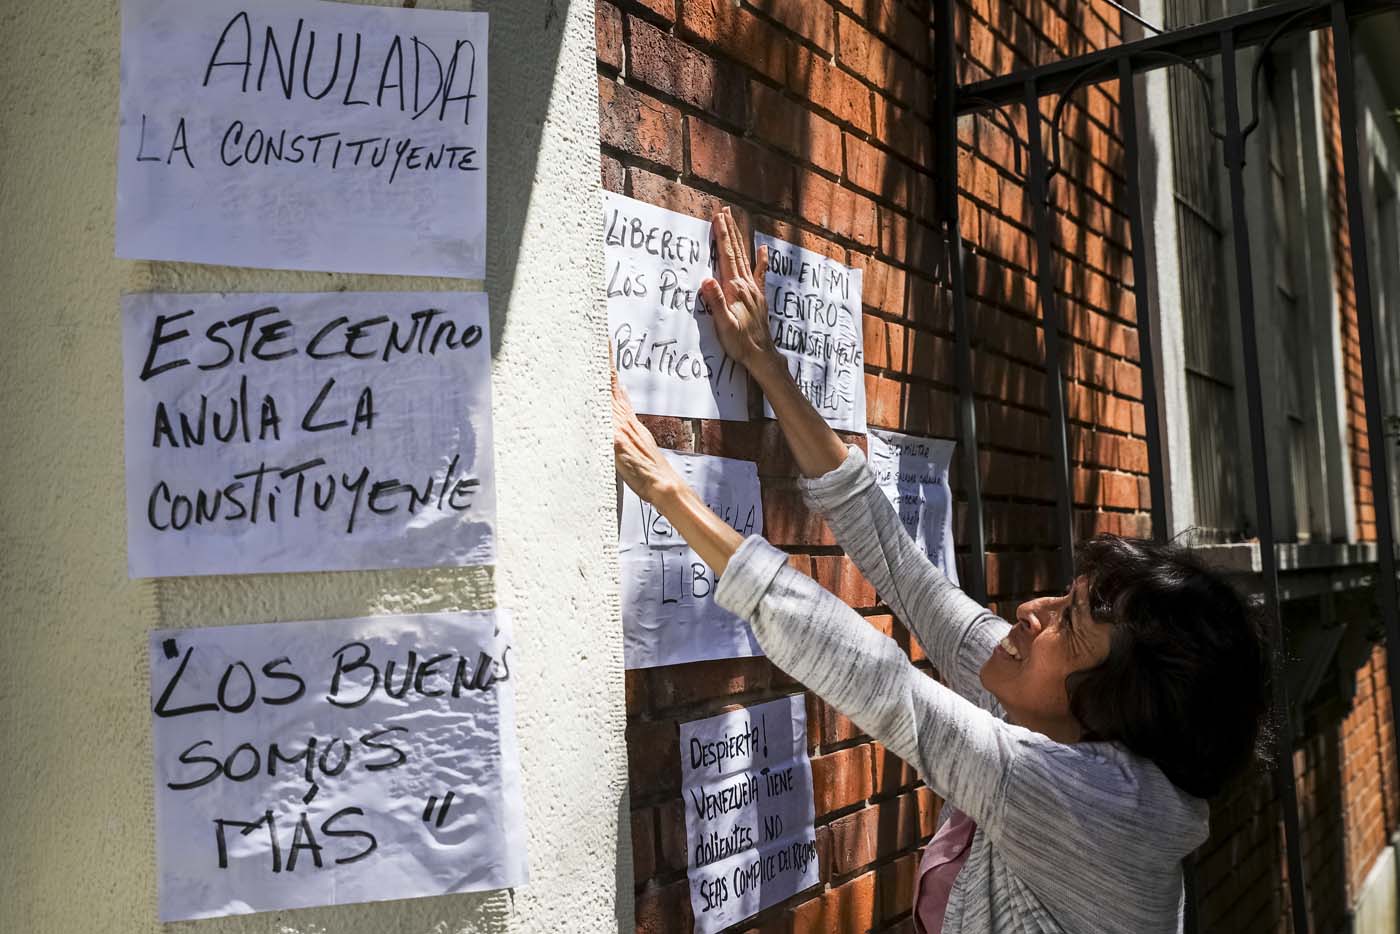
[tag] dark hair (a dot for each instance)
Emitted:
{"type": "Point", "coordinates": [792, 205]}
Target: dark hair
{"type": "Point", "coordinates": [1186, 679]}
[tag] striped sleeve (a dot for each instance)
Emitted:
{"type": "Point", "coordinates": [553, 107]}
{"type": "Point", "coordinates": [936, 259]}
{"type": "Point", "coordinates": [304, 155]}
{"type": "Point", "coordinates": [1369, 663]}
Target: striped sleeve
{"type": "Point", "coordinates": [962, 752]}
{"type": "Point", "coordinates": [1070, 821]}
{"type": "Point", "coordinates": [957, 633]}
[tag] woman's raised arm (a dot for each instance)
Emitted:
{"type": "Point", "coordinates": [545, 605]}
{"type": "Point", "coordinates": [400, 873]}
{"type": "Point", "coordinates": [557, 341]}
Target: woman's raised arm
{"type": "Point", "coordinates": [740, 311]}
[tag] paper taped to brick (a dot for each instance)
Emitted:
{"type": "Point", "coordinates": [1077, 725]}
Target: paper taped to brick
{"type": "Point", "coordinates": [299, 134]}
{"type": "Point", "coordinates": [335, 761]}
{"type": "Point", "coordinates": [664, 345]}
{"type": "Point", "coordinates": [307, 432]}
{"type": "Point", "coordinates": [669, 613]}
{"type": "Point", "coordinates": [913, 473]}
{"type": "Point", "coordinates": [814, 315]}
{"type": "Point", "coordinates": [747, 789]}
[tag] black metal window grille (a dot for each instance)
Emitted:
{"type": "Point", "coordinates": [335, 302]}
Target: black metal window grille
{"type": "Point", "coordinates": [1204, 58]}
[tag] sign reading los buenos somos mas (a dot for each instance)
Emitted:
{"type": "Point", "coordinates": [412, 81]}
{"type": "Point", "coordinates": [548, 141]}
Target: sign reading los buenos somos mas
{"type": "Point", "coordinates": [664, 345]}
{"type": "Point", "coordinates": [814, 313]}
{"type": "Point", "coordinates": [334, 761]}
{"type": "Point", "coordinates": [307, 432]}
{"type": "Point", "coordinates": [669, 613]}
{"type": "Point", "coordinates": [913, 474]}
{"type": "Point", "coordinates": [301, 134]}
{"type": "Point", "coordinates": [747, 784]}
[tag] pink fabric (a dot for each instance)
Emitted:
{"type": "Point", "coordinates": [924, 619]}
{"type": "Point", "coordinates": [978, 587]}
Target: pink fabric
{"type": "Point", "coordinates": [943, 857]}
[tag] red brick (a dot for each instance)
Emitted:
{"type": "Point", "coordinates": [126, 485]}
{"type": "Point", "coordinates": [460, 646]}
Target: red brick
{"type": "Point", "coordinates": [737, 33]}
{"type": "Point", "coordinates": [829, 88]}
{"type": "Point", "coordinates": [651, 768]}
{"type": "Point", "coordinates": [872, 170]}
{"type": "Point", "coordinates": [678, 685]}
{"type": "Point", "coordinates": [841, 779]}
{"type": "Point", "coordinates": [840, 576]}
{"type": "Point", "coordinates": [1021, 574]}
{"type": "Point", "coordinates": [890, 773]}
{"type": "Point", "coordinates": [910, 242]}
{"type": "Point", "coordinates": [896, 884]}
{"type": "Point", "coordinates": [839, 210]}
{"type": "Point", "coordinates": [614, 175]}
{"type": "Point", "coordinates": [665, 910]}
{"type": "Point", "coordinates": [801, 236]}
{"type": "Point", "coordinates": [882, 285]}
{"type": "Point", "coordinates": [810, 19]}
{"type": "Point", "coordinates": [847, 909]}
{"type": "Point", "coordinates": [1106, 489]}
{"type": "Point", "coordinates": [865, 836]}
{"type": "Point", "coordinates": [880, 65]}
{"type": "Point", "coordinates": [671, 842]}
{"type": "Point", "coordinates": [904, 131]}
{"type": "Point", "coordinates": [786, 518]}
{"type": "Point", "coordinates": [737, 164]}
{"type": "Point", "coordinates": [884, 401]}
{"type": "Point", "coordinates": [640, 125]}
{"type": "Point", "coordinates": [670, 432]}
{"type": "Point", "coordinates": [826, 725]}
{"type": "Point", "coordinates": [665, 9]}
{"type": "Point", "coordinates": [668, 65]}
{"type": "Point", "coordinates": [663, 192]}
{"type": "Point", "coordinates": [761, 441]}
{"type": "Point", "coordinates": [643, 845]}
{"type": "Point", "coordinates": [876, 337]}
{"type": "Point", "coordinates": [607, 22]}
{"type": "Point", "coordinates": [638, 700]}
{"type": "Point", "coordinates": [793, 128]}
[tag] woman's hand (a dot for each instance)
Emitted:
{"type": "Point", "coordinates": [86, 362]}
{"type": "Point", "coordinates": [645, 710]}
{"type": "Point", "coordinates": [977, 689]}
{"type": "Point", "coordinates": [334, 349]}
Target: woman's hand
{"type": "Point", "coordinates": [736, 301]}
{"type": "Point", "coordinates": [640, 462]}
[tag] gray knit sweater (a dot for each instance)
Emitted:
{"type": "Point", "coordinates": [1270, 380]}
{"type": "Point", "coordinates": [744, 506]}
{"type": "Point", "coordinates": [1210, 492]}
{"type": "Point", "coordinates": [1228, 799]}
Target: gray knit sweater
{"type": "Point", "coordinates": [1084, 837]}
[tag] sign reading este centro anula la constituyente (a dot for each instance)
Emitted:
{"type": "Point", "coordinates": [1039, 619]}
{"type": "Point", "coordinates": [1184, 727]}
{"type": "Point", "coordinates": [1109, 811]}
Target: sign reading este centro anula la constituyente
{"type": "Point", "coordinates": [307, 432]}
{"type": "Point", "coordinates": [301, 134]}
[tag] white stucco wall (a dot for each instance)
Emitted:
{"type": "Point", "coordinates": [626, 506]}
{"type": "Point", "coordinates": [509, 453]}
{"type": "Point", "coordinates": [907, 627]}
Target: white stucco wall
{"type": "Point", "coordinates": [76, 835]}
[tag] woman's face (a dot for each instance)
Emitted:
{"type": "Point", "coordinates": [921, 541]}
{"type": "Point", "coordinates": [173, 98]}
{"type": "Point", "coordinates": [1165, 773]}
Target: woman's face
{"type": "Point", "coordinates": [1053, 638]}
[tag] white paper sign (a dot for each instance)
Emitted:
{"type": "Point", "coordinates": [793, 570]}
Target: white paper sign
{"type": "Point", "coordinates": [913, 473]}
{"type": "Point", "coordinates": [814, 314]}
{"type": "Point", "coordinates": [669, 614]}
{"type": "Point", "coordinates": [747, 784]}
{"type": "Point", "coordinates": [335, 761]}
{"type": "Point", "coordinates": [307, 432]}
{"type": "Point", "coordinates": [664, 344]}
{"type": "Point", "coordinates": [298, 134]}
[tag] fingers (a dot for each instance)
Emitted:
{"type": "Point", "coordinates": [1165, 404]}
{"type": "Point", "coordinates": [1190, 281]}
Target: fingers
{"type": "Point", "coordinates": [741, 255]}
{"type": "Point", "coordinates": [712, 295]}
{"type": "Point", "coordinates": [762, 277]}
{"type": "Point", "coordinates": [723, 248]}
{"type": "Point", "coordinates": [732, 258]}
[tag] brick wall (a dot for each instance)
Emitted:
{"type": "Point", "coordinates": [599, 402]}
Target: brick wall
{"type": "Point", "coordinates": [812, 119]}
{"type": "Point", "coordinates": [1346, 774]}
{"type": "Point", "coordinates": [1346, 294]}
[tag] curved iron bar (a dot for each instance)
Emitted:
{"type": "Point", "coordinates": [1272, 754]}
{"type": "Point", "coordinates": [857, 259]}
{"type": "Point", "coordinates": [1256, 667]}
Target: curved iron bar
{"type": "Point", "coordinates": [1008, 125]}
{"type": "Point", "coordinates": [1083, 79]}
{"type": "Point", "coordinates": [1259, 62]}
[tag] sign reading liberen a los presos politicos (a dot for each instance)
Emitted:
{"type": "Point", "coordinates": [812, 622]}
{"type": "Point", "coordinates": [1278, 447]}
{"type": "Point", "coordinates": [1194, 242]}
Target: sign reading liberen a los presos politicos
{"type": "Point", "coordinates": [663, 338]}
{"type": "Point", "coordinates": [334, 761]}
{"type": "Point", "coordinates": [746, 781]}
{"type": "Point", "coordinates": [307, 431]}
{"type": "Point", "coordinates": [302, 134]}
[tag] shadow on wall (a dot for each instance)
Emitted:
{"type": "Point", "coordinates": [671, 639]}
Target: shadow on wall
{"type": "Point", "coordinates": [1092, 282]}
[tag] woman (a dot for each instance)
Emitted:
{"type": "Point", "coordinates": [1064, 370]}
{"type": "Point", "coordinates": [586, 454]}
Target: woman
{"type": "Point", "coordinates": [1074, 749]}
